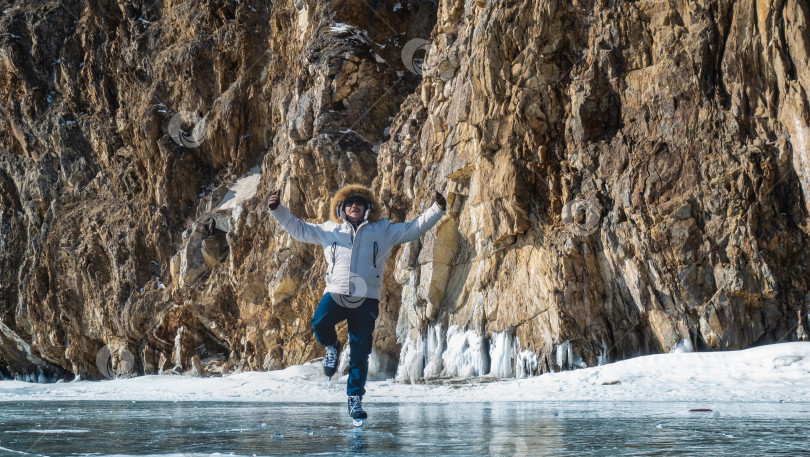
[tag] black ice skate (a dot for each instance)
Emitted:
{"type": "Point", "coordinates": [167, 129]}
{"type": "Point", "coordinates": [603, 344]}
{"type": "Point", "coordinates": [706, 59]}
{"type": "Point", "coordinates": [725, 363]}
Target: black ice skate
{"type": "Point", "coordinates": [330, 360]}
{"type": "Point", "coordinates": [356, 410]}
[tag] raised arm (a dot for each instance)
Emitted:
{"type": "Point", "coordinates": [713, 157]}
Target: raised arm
{"type": "Point", "coordinates": [304, 232]}
{"type": "Point", "coordinates": [403, 232]}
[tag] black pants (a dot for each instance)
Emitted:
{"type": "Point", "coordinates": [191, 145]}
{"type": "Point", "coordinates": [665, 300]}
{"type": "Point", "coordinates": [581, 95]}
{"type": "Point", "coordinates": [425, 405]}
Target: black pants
{"type": "Point", "coordinates": [361, 326]}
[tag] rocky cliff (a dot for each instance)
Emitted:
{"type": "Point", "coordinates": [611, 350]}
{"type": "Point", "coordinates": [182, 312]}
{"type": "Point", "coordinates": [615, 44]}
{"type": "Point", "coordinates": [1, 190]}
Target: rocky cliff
{"type": "Point", "coordinates": [623, 178]}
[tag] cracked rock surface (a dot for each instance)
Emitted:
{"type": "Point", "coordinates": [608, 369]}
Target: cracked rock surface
{"type": "Point", "coordinates": [621, 176]}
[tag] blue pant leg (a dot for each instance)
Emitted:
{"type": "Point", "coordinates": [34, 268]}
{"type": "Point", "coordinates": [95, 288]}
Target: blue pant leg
{"type": "Point", "coordinates": [361, 327]}
{"type": "Point", "coordinates": [327, 315]}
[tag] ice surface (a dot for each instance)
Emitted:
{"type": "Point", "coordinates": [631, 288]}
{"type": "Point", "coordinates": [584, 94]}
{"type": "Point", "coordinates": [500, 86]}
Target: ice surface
{"type": "Point", "coordinates": [49, 431]}
{"type": "Point", "coordinates": [559, 429]}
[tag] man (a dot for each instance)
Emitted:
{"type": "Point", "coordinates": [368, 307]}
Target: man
{"type": "Point", "coordinates": [356, 244]}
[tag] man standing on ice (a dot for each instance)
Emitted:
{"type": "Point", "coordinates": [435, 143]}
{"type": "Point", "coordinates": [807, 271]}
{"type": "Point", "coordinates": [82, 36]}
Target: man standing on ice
{"type": "Point", "coordinates": [356, 244]}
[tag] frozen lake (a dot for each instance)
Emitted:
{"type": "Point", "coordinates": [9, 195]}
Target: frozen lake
{"type": "Point", "coordinates": [105, 428]}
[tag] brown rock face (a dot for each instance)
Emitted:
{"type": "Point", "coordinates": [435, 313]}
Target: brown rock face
{"type": "Point", "coordinates": [620, 176]}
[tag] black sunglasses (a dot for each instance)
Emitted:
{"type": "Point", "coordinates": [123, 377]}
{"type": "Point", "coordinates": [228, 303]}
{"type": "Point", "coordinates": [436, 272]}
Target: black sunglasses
{"type": "Point", "coordinates": [355, 200]}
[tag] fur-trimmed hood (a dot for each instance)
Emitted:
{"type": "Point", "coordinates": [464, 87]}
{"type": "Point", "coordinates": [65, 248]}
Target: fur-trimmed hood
{"type": "Point", "coordinates": [354, 189]}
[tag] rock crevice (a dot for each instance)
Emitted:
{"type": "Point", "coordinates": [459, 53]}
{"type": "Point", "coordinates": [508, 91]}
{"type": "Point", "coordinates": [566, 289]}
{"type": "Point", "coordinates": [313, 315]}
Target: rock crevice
{"type": "Point", "coordinates": [621, 177]}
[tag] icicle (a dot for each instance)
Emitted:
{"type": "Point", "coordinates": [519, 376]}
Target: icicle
{"type": "Point", "coordinates": [683, 346]}
{"type": "Point", "coordinates": [526, 364]}
{"type": "Point", "coordinates": [433, 352]}
{"type": "Point", "coordinates": [602, 359]}
{"type": "Point", "coordinates": [177, 348]}
{"type": "Point", "coordinates": [570, 353]}
{"type": "Point", "coordinates": [411, 361]}
{"type": "Point", "coordinates": [500, 353]}
{"type": "Point", "coordinates": [343, 360]}
{"type": "Point", "coordinates": [562, 350]}
{"type": "Point", "coordinates": [465, 355]}
{"type": "Point", "coordinates": [373, 365]}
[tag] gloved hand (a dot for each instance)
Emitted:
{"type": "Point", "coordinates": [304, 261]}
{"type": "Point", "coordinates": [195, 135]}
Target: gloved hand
{"type": "Point", "coordinates": [439, 199]}
{"type": "Point", "coordinates": [274, 200]}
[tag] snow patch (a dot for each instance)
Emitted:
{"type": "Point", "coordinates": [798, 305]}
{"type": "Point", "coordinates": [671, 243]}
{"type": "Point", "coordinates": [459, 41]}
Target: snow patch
{"type": "Point", "coordinates": [771, 373]}
{"type": "Point", "coordinates": [340, 27]}
{"type": "Point", "coordinates": [244, 188]}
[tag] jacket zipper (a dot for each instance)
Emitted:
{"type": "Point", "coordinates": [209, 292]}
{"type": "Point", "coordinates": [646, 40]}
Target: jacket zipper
{"type": "Point", "coordinates": [354, 235]}
{"type": "Point", "coordinates": [334, 248]}
{"type": "Point", "coordinates": [374, 258]}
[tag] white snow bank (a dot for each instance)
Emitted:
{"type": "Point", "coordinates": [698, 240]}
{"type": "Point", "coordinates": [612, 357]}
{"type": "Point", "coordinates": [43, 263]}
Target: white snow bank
{"type": "Point", "coordinates": [774, 373]}
{"type": "Point", "coordinates": [241, 190]}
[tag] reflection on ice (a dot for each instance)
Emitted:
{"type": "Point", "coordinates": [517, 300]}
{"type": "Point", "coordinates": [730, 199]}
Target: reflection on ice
{"type": "Point", "coordinates": [488, 429]}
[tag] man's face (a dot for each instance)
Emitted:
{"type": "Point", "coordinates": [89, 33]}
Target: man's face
{"type": "Point", "coordinates": [355, 207]}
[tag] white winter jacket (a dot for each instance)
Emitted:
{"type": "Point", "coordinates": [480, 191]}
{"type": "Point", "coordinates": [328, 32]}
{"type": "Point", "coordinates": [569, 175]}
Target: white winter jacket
{"type": "Point", "coordinates": [356, 257]}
